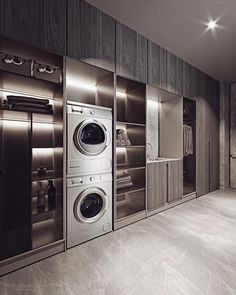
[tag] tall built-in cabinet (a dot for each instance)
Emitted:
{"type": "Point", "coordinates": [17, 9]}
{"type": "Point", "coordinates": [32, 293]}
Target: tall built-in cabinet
{"type": "Point", "coordinates": [31, 153]}
{"type": "Point", "coordinates": [232, 135]}
{"type": "Point", "coordinates": [164, 149]}
{"type": "Point", "coordinates": [130, 159]}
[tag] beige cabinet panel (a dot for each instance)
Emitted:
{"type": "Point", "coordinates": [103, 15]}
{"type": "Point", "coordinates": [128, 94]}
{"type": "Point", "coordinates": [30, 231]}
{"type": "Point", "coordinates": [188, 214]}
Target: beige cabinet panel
{"type": "Point", "coordinates": [156, 184]}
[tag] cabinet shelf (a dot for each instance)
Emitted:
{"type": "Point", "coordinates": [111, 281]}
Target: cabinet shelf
{"type": "Point", "coordinates": [44, 233]}
{"type": "Point", "coordinates": [121, 167]}
{"type": "Point", "coordinates": [132, 189]}
{"type": "Point", "coordinates": [130, 146]}
{"type": "Point", "coordinates": [130, 123]}
{"type": "Point", "coordinates": [48, 176]}
{"type": "Point", "coordinates": [130, 203]}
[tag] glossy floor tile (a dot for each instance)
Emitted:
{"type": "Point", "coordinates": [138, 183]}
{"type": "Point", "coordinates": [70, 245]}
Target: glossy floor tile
{"type": "Point", "coordinates": [189, 249]}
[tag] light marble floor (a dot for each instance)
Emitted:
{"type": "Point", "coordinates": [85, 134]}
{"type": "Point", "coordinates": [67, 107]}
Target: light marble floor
{"type": "Point", "coordinates": [189, 249]}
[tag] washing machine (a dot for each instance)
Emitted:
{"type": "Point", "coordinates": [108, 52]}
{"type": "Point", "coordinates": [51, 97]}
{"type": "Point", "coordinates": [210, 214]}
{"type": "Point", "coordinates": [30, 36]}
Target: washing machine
{"type": "Point", "coordinates": [89, 139]}
{"type": "Point", "coordinates": [89, 207]}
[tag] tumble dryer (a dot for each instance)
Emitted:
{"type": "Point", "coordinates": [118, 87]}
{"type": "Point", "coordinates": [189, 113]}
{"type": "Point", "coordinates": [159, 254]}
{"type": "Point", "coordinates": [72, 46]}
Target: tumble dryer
{"type": "Point", "coordinates": [89, 139]}
{"type": "Point", "coordinates": [89, 207]}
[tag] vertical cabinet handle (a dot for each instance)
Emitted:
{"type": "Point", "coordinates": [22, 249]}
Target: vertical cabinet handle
{"type": "Point", "coordinates": [167, 181]}
{"type": "Point", "coordinates": [209, 168]}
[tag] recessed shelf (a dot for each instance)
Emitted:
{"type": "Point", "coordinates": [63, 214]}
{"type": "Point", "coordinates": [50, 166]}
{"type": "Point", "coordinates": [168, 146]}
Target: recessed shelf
{"type": "Point", "coordinates": [132, 189]}
{"type": "Point", "coordinates": [121, 167]}
{"type": "Point", "coordinates": [130, 146]}
{"type": "Point", "coordinates": [49, 175]}
{"type": "Point", "coordinates": [129, 123]}
{"type": "Point", "coordinates": [44, 233]}
{"type": "Point", "coordinates": [130, 203]}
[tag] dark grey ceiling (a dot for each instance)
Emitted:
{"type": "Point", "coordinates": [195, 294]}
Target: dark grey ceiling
{"type": "Point", "coordinates": [178, 26]}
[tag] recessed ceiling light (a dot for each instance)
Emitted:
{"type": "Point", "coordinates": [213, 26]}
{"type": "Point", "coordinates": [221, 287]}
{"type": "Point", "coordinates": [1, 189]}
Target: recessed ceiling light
{"type": "Point", "coordinates": [212, 25]}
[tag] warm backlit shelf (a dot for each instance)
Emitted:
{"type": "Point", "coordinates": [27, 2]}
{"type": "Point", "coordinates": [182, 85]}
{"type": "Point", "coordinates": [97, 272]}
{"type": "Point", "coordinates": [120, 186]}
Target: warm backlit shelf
{"type": "Point", "coordinates": [121, 167]}
{"type": "Point", "coordinates": [48, 176]}
{"type": "Point", "coordinates": [130, 123]}
{"type": "Point", "coordinates": [130, 146]}
{"type": "Point", "coordinates": [132, 189]}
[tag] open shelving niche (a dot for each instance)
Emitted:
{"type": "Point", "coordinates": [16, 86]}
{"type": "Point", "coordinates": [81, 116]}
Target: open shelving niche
{"type": "Point", "coordinates": [42, 135]}
{"type": "Point", "coordinates": [130, 105]}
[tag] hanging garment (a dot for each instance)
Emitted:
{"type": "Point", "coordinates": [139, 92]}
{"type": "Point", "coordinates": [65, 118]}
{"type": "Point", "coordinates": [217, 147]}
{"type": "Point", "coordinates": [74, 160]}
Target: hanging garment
{"type": "Point", "coordinates": [187, 140]}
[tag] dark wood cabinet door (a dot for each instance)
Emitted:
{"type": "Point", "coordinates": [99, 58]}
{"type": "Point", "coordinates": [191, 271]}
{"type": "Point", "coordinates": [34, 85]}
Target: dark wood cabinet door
{"type": "Point", "coordinates": [175, 180]}
{"type": "Point", "coordinates": [202, 148]}
{"type": "Point", "coordinates": [171, 72]}
{"type": "Point", "coordinates": [54, 26]}
{"type": "Point", "coordinates": [194, 82]}
{"type": "Point", "coordinates": [22, 21]}
{"type": "Point", "coordinates": [39, 23]}
{"type": "Point", "coordinates": [1, 17]}
{"type": "Point", "coordinates": [233, 121]}
{"type": "Point", "coordinates": [91, 35]}
{"type": "Point", "coordinates": [153, 64]}
{"type": "Point", "coordinates": [179, 76]}
{"type": "Point", "coordinates": [214, 122]}
{"type": "Point", "coordinates": [186, 80]}
{"type": "Point", "coordinates": [156, 185]}
{"type": "Point", "coordinates": [131, 53]}
{"type": "Point", "coordinates": [163, 68]}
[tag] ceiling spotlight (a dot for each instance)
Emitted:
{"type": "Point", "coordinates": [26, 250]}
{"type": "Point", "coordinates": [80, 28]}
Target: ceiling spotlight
{"type": "Point", "coordinates": [212, 25]}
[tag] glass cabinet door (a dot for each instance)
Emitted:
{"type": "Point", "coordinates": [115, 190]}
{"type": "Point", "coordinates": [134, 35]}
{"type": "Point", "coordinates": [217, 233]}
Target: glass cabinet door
{"type": "Point", "coordinates": [15, 176]}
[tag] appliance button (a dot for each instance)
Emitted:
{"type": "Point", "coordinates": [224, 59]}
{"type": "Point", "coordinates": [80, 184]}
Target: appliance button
{"type": "Point", "coordinates": [91, 112]}
{"type": "Point", "coordinates": [92, 178]}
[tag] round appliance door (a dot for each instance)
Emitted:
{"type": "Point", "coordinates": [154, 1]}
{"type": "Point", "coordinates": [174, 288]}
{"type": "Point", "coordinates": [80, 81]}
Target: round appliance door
{"type": "Point", "coordinates": [91, 137]}
{"type": "Point", "coordinates": [90, 205]}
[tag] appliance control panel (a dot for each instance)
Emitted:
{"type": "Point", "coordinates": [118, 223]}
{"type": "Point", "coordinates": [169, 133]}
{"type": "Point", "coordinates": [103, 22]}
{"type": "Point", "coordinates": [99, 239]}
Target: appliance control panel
{"type": "Point", "coordinates": [89, 112]}
{"type": "Point", "coordinates": [84, 180]}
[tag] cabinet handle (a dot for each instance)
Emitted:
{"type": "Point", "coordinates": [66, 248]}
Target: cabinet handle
{"type": "Point", "coordinates": [16, 61]}
{"type": "Point", "coordinates": [45, 70]}
{"type": "Point", "coordinates": [209, 168]}
{"type": "Point", "coordinates": [167, 181]}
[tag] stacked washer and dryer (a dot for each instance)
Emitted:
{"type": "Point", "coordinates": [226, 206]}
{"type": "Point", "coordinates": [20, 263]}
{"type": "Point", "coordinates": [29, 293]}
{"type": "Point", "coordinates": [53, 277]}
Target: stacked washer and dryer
{"type": "Point", "coordinates": [89, 172]}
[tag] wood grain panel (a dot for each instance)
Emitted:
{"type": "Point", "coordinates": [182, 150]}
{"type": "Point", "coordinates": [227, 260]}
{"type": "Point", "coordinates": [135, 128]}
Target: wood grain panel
{"type": "Point", "coordinates": [91, 35]}
{"type": "Point", "coordinates": [233, 173]}
{"type": "Point", "coordinates": [214, 136]}
{"type": "Point", "coordinates": [175, 180]}
{"type": "Point", "coordinates": [106, 41]}
{"type": "Point", "coordinates": [131, 53]}
{"type": "Point", "coordinates": [186, 80]}
{"type": "Point", "coordinates": [233, 119]}
{"type": "Point", "coordinates": [54, 24]}
{"type": "Point", "coordinates": [126, 42]}
{"type": "Point", "coordinates": [163, 68]}
{"type": "Point", "coordinates": [153, 64]}
{"type": "Point", "coordinates": [179, 76]}
{"type": "Point", "coordinates": [1, 17]}
{"type": "Point", "coordinates": [141, 62]}
{"type": "Point", "coordinates": [202, 137]}
{"type": "Point", "coordinates": [22, 21]}
{"type": "Point", "coordinates": [156, 184]}
{"type": "Point", "coordinates": [194, 82]}
{"type": "Point", "coordinates": [171, 72]}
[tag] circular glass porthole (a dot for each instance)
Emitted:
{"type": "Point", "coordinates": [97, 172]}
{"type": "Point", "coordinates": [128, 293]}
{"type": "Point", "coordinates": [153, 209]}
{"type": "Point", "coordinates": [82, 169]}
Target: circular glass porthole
{"type": "Point", "coordinates": [90, 205]}
{"type": "Point", "coordinates": [90, 137]}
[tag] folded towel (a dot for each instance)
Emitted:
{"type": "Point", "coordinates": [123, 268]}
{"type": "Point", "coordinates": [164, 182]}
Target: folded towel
{"type": "Point", "coordinates": [124, 185]}
{"type": "Point", "coordinates": [33, 110]}
{"type": "Point", "coordinates": [14, 99]}
{"type": "Point", "coordinates": [123, 179]}
{"type": "Point", "coordinates": [33, 105]}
